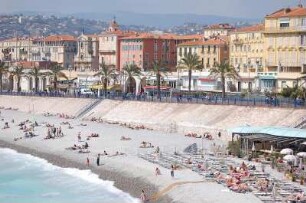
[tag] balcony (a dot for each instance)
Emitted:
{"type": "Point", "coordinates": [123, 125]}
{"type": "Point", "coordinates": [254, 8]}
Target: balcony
{"type": "Point", "coordinates": [107, 51]}
{"type": "Point", "coordinates": [238, 41]}
{"type": "Point", "coordinates": [292, 29]}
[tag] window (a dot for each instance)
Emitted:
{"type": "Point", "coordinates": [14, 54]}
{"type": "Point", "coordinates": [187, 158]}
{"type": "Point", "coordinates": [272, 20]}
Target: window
{"type": "Point", "coordinates": [284, 22]}
{"type": "Point", "coordinates": [303, 40]}
{"type": "Point", "coordinates": [284, 84]}
{"type": "Point", "coordinates": [208, 49]}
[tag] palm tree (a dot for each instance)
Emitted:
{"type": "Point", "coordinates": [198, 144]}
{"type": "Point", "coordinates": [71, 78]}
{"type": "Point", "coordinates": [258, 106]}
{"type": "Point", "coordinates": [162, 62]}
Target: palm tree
{"type": "Point", "coordinates": [190, 62]}
{"type": "Point", "coordinates": [157, 69]}
{"type": "Point", "coordinates": [3, 70]}
{"type": "Point", "coordinates": [130, 71]}
{"type": "Point", "coordinates": [18, 72]}
{"type": "Point", "coordinates": [223, 70]}
{"type": "Point", "coordinates": [56, 72]}
{"type": "Point", "coordinates": [106, 72]}
{"type": "Point", "coordinates": [36, 73]}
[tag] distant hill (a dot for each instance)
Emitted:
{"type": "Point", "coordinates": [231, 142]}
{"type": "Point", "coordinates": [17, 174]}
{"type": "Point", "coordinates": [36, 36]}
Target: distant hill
{"type": "Point", "coordinates": [164, 20]}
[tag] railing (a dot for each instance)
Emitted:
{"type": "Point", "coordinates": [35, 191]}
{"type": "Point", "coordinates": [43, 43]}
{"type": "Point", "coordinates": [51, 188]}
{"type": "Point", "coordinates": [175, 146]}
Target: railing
{"type": "Point", "coordinates": [179, 97]}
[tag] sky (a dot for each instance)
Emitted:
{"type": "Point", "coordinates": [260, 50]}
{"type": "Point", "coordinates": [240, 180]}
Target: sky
{"type": "Point", "coordinates": [232, 8]}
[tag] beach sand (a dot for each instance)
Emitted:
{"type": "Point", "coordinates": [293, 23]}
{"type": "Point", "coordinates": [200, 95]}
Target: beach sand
{"type": "Point", "coordinates": [129, 172]}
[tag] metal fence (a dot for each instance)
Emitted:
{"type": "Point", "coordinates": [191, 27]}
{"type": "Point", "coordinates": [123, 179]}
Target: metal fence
{"type": "Point", "coordinates": [178, 98]}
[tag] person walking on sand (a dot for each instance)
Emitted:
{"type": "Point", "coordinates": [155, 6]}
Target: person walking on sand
{"type": "Point", "coordinates": [79, 137]}
{"type": "Point", "coordinates": [98, 160]}
{"type": "Point", "coordinates": [87, 162]}
{"type": "Point", "coordinates": [143, 197]}
{"type": "Point", "coordinates": [172, 171]}
{"type": "Point", "coordinates": [157, 171]}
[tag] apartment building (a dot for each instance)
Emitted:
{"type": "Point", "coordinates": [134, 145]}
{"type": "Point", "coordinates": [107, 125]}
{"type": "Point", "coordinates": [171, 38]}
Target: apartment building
{"type": "Point", "coordinates": [211, 52]}
{"type": "Point", "coordinates": [15, 49]}
{"type": "Point", "coordinates": [285, 46]}
{"type": "Point", "coordinates": [55, 48]}
{"type": "Point", "coordinates": [109, 44]}
{"type": "Point", "coordinates": [222, 29]}
{"type": "Point", "coordinates": [247, 56]}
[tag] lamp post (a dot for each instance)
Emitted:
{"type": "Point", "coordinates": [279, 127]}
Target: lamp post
{"type": "Point", "coordinates": [249, 83]}
{"type": "Point", "coordinates": [69, 81]}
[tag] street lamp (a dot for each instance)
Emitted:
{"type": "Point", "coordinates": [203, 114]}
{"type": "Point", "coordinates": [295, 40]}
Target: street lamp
{"type": "Point", "coordinates": [69, 81]}
{"type": "Point", "coordinates": [249, 83]}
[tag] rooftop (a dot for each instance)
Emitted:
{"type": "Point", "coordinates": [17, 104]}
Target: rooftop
{"type": "Point", "coordinates": [271, 130]}
{"type": "Point", "coordinates": [288, 12]}
{"type": "Point", "coordinates": [252, 28]}
{"type": "Point", "coordinates": [56, 38]}
{"type": "Point", "coordinates": [212, 41]}
{"type": "Point", "coordinates": [220, 26]}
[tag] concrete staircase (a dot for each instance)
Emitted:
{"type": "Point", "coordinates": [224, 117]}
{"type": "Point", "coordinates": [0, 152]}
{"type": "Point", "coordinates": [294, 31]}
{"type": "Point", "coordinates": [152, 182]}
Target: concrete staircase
{"type": "Point", "coordinates": [88, 108]}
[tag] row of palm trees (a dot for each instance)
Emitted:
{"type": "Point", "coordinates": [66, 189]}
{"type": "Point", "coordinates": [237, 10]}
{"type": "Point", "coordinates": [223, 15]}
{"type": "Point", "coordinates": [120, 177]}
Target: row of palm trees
{"type": "Point", "coordinates": [190, 62]}
{"type": "Point", "coordinates": [55, 72]}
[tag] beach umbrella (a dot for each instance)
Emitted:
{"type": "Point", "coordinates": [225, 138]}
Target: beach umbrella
{"type": "Point", "coordinates": [253, 147]}
{"type": "Point", "coordinates": [289, 158]}
{"type": "Point", "coordinates": [301, 154]}
{"type": "Point", "coordinates": [286, 151]}
{"type": "Point", "coordinates": [191, 149]}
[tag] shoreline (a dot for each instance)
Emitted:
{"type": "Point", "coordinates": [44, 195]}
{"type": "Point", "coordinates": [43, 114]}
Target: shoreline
{"type": "Point", "coordinates": [130, 185]}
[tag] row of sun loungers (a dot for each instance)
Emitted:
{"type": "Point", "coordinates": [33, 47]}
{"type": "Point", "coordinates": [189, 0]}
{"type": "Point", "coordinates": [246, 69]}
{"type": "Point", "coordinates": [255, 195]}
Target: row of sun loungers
{"type": "Point", "coordinates": [219, 165]}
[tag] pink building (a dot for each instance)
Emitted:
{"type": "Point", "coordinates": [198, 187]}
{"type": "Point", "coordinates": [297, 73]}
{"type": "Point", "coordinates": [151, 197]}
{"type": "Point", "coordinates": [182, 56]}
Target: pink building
{"type": "Point", "coordinates": [144, 48]}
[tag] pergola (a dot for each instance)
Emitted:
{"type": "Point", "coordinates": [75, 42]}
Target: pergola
{"type": "Point", "coordinates": [268, 136]}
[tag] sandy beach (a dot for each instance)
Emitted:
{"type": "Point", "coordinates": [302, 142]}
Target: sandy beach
{"type": "Point", "coordinates": [129, 172]}
{"type": "Point", "coordinates": [128, 164]}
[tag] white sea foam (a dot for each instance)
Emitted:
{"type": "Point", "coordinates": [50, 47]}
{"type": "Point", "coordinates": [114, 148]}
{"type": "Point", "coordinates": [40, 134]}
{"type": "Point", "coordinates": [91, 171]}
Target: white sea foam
{"type": "Point", "coordinates": [85, 175]}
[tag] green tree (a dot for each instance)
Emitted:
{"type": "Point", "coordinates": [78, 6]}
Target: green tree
{"type": "Point", "coordinates": [106, 72]}
{"type": "Point", "coordinates": [18, 71]}
{"type": "Point", "coordinates": [131, 70]}
{"type": "Point", "coordinates": [56, 72]}
{"type": "Point", "coordinates": [190, 62]}
{"type": "Point", "coordinates": [3, 70]}
{"type": "Point", "coordinates": [223, 71]}
{"type": "Point", "coordinates": [36, 73]}
{"type": "Point", "coordinates": [298, 91]}
{"type": "Point", "coordinates": [158, 69]}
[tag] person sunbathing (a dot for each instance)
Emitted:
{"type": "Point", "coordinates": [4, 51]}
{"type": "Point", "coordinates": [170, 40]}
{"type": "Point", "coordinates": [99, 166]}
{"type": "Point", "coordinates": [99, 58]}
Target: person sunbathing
{"type": "Point", "coordinates": [146, 145]}
{"type": "Point", "coordinates": [6, 125]}
{"type": "Point", "coordinates": [18, 138]}
{"type": "Point", "coordinates": [84, 151]}
{"type": "Point", "coordinates": [117, 154]}
{"type": "Point", "coordinates": [125, 138]}
{"type": "Point", "coordinates": [94, 135]}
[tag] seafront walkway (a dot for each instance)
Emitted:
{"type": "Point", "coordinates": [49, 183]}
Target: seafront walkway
{"type": "Point", "coordinates": [256, 101]}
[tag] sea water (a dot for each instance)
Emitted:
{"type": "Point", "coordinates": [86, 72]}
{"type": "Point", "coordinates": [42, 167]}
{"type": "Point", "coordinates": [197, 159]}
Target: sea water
{"type": "Point", "coordinates": [28, 179]}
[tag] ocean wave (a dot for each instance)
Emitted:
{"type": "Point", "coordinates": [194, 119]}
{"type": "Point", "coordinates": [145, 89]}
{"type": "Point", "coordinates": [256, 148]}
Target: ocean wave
{"type": "Point", "coordinates": [85, 175]}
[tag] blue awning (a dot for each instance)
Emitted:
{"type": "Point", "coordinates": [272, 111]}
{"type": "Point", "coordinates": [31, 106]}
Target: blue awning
{"type": "Point", "coordinates": [270, 130]}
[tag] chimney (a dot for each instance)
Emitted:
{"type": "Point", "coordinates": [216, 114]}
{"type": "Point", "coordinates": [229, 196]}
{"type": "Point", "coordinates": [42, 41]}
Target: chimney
{"type": "Point", "coordinates": [287, 10]}
{"type": "Point", "coordinates": [300, 5]}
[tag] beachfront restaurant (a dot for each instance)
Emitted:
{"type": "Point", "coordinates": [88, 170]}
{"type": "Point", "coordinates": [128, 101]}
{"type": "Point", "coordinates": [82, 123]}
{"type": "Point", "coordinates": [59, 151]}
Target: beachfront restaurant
{"type": "Point", "coordinates": [269, 139]}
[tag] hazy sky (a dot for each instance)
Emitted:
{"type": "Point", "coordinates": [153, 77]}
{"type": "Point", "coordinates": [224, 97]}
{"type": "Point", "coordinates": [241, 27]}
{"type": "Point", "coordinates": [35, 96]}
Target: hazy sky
{"type": "Point", "coordinates": [235, 8]}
